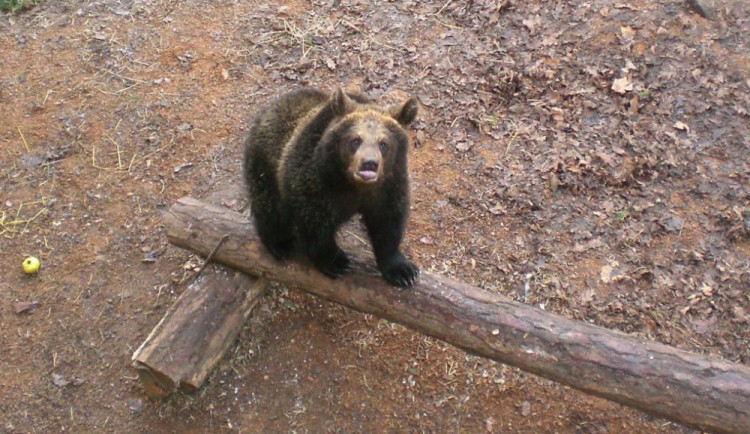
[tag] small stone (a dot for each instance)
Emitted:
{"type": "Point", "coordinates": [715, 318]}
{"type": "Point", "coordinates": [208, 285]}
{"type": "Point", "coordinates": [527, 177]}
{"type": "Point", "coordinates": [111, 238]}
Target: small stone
{"type": "Point", "coordinates": [525, 408]}
{"type": "Point", "coordinates": [59, 380]}
{"type": "Point", "coordinates": [135, 405]}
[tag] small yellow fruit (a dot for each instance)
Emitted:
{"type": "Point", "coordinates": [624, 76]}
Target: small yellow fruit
{"type": "Point", "coordinates": [31, 265]}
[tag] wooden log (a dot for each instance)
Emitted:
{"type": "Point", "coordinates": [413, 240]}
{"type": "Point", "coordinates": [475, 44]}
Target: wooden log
{"type": "Point", "coordinates": [692, 389]}
{"type": "Point", "coordinates": [196, 331]}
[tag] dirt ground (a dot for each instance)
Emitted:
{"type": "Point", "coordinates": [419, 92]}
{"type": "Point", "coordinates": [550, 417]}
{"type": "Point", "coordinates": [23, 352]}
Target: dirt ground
{"type": "Point", "coordinates": [589, 159]}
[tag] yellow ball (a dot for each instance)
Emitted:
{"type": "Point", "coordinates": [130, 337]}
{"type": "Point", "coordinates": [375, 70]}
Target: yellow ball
{"type": "Point", "coordinates": [31, 265]}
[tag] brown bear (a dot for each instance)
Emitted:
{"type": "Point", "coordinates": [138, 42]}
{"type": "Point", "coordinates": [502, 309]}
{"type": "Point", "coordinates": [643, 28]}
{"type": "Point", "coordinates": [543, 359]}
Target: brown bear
{"type": "Point", "coordinates": [313, 160]}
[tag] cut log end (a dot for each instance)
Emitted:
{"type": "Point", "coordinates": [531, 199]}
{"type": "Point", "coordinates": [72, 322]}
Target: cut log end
{"type": "Point", "coordinates": [156, 385]}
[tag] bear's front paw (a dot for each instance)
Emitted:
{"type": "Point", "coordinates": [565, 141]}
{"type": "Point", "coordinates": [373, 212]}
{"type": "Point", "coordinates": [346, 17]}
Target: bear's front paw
{"type": "Point", "coordinates": [281, 249]}
{"type": "Point", "coordinates": [403, 274]}
{"type": "Point", "coordinates": [337, 267]}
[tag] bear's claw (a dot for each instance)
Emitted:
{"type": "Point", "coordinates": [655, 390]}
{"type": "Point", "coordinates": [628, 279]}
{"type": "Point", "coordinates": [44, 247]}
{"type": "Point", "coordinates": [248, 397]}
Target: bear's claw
{"type": "Point", "coordinates": [338, 267]}
{"type": "Point", "coordinates": [281, 250]}
{"type": "Point", "coordinates": [402, 274]}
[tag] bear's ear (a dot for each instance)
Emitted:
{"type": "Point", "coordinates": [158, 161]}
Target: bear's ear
{"type": "Point", "coordinates": [341, 103]}
{"type": "Point", "coordinates": [406, 112]}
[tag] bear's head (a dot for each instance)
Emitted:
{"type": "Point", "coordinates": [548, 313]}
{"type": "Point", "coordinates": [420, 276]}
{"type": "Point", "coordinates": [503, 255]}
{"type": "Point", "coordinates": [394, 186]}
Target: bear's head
{"type": "Point", "coordinates": [369, 141]}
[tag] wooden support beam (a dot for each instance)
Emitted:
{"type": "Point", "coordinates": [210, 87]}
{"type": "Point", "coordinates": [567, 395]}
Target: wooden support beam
{"type": "Point", "coordinates": [196, 331]}
{"type": "Point", "coordinates": [692, 389]}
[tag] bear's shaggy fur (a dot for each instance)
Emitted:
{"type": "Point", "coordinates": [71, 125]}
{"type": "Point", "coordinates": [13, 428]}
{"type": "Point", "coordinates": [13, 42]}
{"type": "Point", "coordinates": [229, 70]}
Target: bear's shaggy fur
{"type": "Point", "coordinates": [313, 160]}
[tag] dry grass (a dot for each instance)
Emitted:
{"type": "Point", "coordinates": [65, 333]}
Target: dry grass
{"type": "Point", "coordinates": [17, 224]}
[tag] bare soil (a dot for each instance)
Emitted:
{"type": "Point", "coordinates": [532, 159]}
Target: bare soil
{"type": "Point", "coordinates": [592, 159]}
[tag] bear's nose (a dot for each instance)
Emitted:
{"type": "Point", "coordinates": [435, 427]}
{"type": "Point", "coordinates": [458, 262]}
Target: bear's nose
{"type": "Point", "coordinates": [369, 165]}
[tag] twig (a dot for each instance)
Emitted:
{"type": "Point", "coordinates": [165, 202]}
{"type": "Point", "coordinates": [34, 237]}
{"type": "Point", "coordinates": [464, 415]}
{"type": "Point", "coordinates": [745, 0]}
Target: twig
{"type": "Point", "coordinates": [211, 256]}
{"type": "Point", "coordinates": [124, 78]}
{"type": "Point", "coordinates": [46, 97]}
{"type": "Point", "coordinates": [132, 160]}
{"type": "Point", "coordinates": [443, 8]}
{"type": "Point", "coordinates": [510, 142]}
{"type": "Point", "coordinates": [25, 143]}
{"type": "Point", "coordinates": [10, 226]}
{"type": "Point", "coordinates": [357, 237]}
{"type": "Point", "coordinates": [28, 221]}
{"type": "Point", "coordinates": [119, 154]}
{"type": "Point", "coordinates": [145, 157]}
{"type": "Point", "coordinates": [370, 37]}
{"type": "Point", "coordinates": [443, 23]}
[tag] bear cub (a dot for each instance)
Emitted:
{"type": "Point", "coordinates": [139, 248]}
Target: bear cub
{"type": "Point", "coordinates": [314, 159]}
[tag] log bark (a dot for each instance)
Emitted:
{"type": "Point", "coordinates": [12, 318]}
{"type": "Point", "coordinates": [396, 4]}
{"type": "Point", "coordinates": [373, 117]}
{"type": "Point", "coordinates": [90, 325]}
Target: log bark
{"type": "Point", "coordinates": [692, 389]}
{"type": "Point", "coordinates": [196, 331]}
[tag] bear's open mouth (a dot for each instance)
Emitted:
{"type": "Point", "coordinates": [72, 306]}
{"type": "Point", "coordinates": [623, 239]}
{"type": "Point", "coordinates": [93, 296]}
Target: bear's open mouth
{"type": "Point", "coordinates": [367, 175]}
{"type": "Point", "coordinates": [367, 171]}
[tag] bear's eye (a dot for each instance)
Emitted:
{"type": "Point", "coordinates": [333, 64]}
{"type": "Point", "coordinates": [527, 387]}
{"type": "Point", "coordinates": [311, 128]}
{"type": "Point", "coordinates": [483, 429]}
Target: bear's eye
{"type": "Point", "coordinates": [354, 143]}
{"type": "Point", "coordinates": [383, 146]}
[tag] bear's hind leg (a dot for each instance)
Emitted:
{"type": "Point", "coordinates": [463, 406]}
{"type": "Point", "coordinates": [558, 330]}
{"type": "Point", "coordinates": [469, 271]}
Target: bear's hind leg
{"type": "Point", "coordinates": [273, 224]}
{"type": "Point", "coordinates": [276, 233]}
{"type": "Point", "coordinates": [276, 238]}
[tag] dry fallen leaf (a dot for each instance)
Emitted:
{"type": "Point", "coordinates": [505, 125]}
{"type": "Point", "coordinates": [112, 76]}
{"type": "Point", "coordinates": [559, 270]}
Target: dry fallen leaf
{"type": "Point", "coordinates": [606, 273]}
{"type": "Point", "coordinates": [525, 408]}
{"type": "Point", "coordinates": [331, 64]}
{"type": "Point", "coordinates": [634, 105]}
{"type": "Point", "coordinates": [606, 158]}
{"type": "Point", "coordinates": [498, 209]}
{"type": "Point", "coordinates": [627, 32]}
{"type": "Point", "coordinates": [558, 115]}
{"type": "Point", "coordinates": [464, 146]}
{"type": "Point", "coordinates": [59, 380]}
{"type": "Point", "coordinates": [490, 424]}
{"type": "Point", "coordinates": [703, 326]}
{"type": "Point", "coordinates": [740, 315]}
{"type": "Point", "coordinates": [532, 23]}
{"type": "Point", "coordinates": [612, 272]}
{"type": "Point", "coordinates": [587, 296]}
{"type": "Point", "coordinates": [681, 126]}
{"type": "Point", "coordinates": [20, 307]}
{"type": "Point", "coordinates": [591, 244]}
{"type": "Point", "coordinates": [622, 85]}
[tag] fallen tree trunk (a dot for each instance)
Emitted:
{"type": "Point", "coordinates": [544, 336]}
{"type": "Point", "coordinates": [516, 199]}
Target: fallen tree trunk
{"type": "Point", "coordinates": [688, 388]}
{"type": "Point", "coordinates": [196, 331]}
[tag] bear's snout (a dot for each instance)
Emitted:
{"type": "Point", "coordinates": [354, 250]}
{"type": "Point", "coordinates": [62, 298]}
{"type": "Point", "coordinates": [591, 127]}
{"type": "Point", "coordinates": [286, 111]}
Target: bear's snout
{"type": "Point", "coordinates": [369, 165]}
{"type": "Point", "coordinates": [368, 170]}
